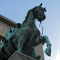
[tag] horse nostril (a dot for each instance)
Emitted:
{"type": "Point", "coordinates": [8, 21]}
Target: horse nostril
{"type": "Point", "coordinates": [44, 16]}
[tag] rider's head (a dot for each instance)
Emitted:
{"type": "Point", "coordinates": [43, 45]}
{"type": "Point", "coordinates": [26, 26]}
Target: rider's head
{"type": "Point", "coordinates": [18, 25]}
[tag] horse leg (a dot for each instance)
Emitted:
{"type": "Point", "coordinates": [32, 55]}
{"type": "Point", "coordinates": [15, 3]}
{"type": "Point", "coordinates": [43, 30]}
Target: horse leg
{"type": "Point", "coordinates": [19, 46]}
{"type": "Point", "coordinates": [20, 42]}
{"type": "Point", "coordinates": [48, 49]}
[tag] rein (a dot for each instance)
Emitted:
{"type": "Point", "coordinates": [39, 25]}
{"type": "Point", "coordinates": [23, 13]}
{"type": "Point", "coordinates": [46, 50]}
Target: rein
{"type": "Point", "coordinates": [41, 28]}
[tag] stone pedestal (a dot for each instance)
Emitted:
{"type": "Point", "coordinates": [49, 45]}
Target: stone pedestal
{"type": "Point", "coordinates": [20, 56]}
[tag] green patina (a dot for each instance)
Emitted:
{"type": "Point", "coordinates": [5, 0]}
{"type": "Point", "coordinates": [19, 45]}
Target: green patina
{"type": "Point", "coordinates": [25, 37]}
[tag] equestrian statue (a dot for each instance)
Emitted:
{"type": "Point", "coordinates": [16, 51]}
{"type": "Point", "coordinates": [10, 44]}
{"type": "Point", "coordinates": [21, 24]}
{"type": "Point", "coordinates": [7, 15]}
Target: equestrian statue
{"type": "Point", "coordinates": [25, 37]}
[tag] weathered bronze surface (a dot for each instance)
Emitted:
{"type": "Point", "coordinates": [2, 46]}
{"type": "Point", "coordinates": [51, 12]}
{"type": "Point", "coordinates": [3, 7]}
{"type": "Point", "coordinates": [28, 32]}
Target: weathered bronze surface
{"type": "Point", "coordinates": [25, 37]}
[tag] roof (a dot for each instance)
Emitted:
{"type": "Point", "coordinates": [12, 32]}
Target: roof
{"type": "Point", "coordinates": [8, 21]}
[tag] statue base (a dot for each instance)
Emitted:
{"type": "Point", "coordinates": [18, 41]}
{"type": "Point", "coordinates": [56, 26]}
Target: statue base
{"type": "Point", "coordinates": [19, 56]}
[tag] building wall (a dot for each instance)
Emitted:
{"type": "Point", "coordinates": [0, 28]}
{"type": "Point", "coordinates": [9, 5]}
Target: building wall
{"type": "Point", "coordinates": [4, 28]}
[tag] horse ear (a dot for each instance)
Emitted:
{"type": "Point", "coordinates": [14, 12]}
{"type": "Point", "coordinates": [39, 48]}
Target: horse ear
{"type": "Point", "coordinates": [40, 4]}
{"type": "Point", "coordinates": [45, 9]}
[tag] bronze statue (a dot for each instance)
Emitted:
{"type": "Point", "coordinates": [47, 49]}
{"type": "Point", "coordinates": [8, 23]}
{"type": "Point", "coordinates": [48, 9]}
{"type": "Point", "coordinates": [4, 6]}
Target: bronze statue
{"type": "Point", "coordinates": [25, 37]}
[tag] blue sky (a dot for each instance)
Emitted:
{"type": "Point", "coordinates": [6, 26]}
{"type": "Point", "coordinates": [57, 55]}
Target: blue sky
{"type": "Point", "coordinates": [16, 10]}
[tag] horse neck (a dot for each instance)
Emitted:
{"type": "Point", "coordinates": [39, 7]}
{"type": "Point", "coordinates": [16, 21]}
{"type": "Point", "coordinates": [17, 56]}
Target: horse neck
{"type": "Point", "coordinates": [30, 20]}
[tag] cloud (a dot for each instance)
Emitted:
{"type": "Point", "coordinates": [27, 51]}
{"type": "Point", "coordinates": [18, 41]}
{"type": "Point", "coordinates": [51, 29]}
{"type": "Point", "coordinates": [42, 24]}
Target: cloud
{"type": "Point", "coordinates": [57, 56]}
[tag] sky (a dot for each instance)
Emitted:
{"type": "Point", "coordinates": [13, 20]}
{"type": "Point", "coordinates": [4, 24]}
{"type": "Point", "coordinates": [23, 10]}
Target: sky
{"type": "Point", "coordinates": [16, 10]}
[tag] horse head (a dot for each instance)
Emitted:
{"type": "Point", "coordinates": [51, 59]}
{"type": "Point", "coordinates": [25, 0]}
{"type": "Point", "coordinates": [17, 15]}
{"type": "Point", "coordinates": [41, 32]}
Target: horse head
{"type": "Point", "coordinates": [39, 13]}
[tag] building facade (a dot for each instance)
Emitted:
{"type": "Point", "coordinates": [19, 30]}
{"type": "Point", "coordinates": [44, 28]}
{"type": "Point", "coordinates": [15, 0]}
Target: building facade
{"type": "Point", "coordinates": [6, 24]}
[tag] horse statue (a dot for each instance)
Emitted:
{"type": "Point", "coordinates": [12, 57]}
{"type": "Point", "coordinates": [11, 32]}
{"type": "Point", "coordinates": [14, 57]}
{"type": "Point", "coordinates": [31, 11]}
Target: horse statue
{"type": "Point", "coordinates": [25, 37]}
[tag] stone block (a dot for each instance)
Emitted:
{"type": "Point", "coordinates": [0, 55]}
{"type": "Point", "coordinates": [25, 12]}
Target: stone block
{"type": "Point", "coordinates": [19, 56]}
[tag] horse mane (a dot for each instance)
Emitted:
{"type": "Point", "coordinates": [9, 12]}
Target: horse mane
{"type": "Point", "coordinates": [27, 16]}
{"type": "Point", "coordinates": [29, 12]}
